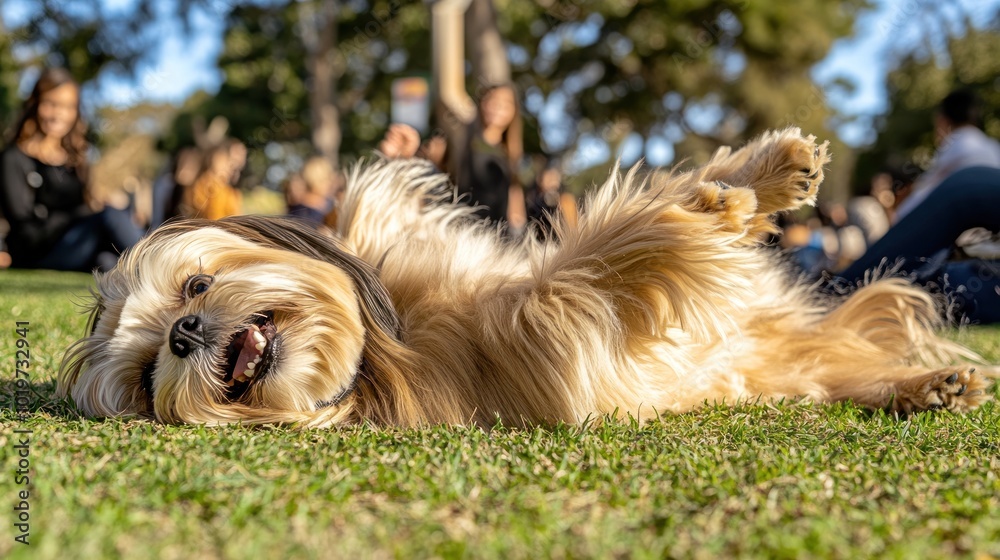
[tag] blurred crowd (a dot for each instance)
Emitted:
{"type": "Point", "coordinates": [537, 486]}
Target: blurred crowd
{"type": "Point", "coordinates": [51, 216]}
{"type": "Point", "coordinates": [930, 217]}
{"type": "Point", "coordinates": [925, 223]}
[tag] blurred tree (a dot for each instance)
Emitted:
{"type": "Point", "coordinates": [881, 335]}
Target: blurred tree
{"type": "Point", "coordinates": [272, 62]}
{"type": "Point", "coordinates": [920, 80]}
{"type": "Point", "coordinates": [693, 74]}
{"type": "Point", "coordinates": [689, 75]}
{"type": "Point", "coordinates": [9, 101]}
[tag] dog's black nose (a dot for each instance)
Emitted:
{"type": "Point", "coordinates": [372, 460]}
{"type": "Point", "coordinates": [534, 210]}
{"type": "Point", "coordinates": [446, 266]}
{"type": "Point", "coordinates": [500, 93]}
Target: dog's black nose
{"type": "Point", "coordinates": [187, 334]}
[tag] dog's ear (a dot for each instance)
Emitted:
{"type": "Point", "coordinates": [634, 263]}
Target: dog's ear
{"type": "Point", "coordinates": [294, 235]}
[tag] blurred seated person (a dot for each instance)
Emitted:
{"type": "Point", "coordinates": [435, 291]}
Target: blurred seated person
{"type": "Point", "coordinates": [922, 245]}
{"type": "Point", "coordinates": [212, 195]}
{"type": "Point", "coordinates": [546, 199]}
{"type": "Point", "coordinates": [54, 223]}
{"type": "Point", "coordinates": [961, 144]}
{"type": "Point", "coordinates": [805, 242]}
{"type": "Point", "coordinates": [169, 186]}
{"type": "Point", "coordinates": [309, 194]}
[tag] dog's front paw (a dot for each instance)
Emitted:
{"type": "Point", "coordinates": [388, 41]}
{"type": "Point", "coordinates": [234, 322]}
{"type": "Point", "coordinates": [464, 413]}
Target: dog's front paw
{"type": "Point", "coordinates": [958, 389]}
{"type": "Point", "coordinates": [786, 170]}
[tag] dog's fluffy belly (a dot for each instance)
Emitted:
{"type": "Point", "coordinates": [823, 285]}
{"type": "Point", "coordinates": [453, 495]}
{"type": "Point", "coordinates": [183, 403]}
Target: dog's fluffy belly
{"type": "Point", "coordinates": [657, 300]}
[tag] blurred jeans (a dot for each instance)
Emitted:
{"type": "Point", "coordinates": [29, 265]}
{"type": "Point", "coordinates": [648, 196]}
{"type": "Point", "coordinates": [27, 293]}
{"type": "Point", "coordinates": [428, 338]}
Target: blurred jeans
{"type": "Point", "coordinates": [93, 241]}
{"type": "Point", "coordinates": [922, 240]}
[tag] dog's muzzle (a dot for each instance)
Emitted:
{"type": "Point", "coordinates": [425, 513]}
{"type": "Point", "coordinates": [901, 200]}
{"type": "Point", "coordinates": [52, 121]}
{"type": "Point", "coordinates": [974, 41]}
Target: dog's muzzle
{"type": "Point", "coordinates": [187, 335]}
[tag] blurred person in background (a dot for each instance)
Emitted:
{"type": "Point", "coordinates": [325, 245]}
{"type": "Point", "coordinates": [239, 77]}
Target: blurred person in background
{"type": "Point", "coordinates": [546, 199]}
{"type": "Point", "coordinates": [484, 162]}
{"type": "Point", "coordinates": [309, 194]}
{"type": "Point", "coordinates": [44, 194]}
{"type": "Point", "coordinates": [170, 185]}
{"type": "Point", "coordinates": [212, 195]}
{"type": "Point", "coordinates": [961, 144]}
{"type": "Point", "coordinates": [923, 244]}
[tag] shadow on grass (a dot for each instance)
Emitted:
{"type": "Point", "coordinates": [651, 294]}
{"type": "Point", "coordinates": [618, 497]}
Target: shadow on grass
{"type": "Point", "coordinates": [27, 397]}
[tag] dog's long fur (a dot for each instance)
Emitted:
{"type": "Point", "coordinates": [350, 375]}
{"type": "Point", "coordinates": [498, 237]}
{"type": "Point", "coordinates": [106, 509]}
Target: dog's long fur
{"type": "Point", "coordinates": [658, 300]}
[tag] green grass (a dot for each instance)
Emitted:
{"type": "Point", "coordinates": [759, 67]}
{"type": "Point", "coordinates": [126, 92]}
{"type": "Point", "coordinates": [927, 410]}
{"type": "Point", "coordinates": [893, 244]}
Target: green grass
{"type": "Point", "coordinates": [789, 481]}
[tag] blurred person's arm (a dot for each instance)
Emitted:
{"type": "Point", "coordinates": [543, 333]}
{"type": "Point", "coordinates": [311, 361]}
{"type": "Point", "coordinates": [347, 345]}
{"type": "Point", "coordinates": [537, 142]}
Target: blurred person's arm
{"type": "Point", "coordinates": [517, 212]}
{"type": "Point", "coordinates": [455, 111]}
{"type": "Point", "coordinates": [448, 27]}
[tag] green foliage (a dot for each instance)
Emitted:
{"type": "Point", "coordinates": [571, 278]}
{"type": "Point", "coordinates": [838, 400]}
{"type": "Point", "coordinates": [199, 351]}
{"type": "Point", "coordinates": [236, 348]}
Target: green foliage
{"type": "Point", "coordinates": [743, 66]}
{"type": "Point", "coordinates": [791, 480]}
{"type": "Point", "coordinates": [694, 74]}
{"type": "Point", "coordinates": [917, 85]}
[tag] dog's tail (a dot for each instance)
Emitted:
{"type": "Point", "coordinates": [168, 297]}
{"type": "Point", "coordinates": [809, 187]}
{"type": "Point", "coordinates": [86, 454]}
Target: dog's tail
{"type": "Point", "coordinates": [386, 200]}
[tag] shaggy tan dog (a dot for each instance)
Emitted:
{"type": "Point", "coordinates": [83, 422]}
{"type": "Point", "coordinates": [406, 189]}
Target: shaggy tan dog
{"type": "Point", "coordinates": [658, 300]}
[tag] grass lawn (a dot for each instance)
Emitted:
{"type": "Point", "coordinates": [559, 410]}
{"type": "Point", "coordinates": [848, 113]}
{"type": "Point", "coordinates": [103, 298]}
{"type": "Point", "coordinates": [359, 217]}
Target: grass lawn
{"type": "Point", "coordinates": [790, 481]}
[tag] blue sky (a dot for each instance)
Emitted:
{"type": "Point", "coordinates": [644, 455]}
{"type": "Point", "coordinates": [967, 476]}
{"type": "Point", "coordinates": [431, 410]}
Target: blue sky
{"type": "Point", "coordinates": [185, 64]}
{"type": "Point", "coordinates": [866, 57]}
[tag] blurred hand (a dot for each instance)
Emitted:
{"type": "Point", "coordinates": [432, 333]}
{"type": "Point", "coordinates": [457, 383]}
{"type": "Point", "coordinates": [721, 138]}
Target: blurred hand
{"type": "Point", "coordinates": [401, 141]}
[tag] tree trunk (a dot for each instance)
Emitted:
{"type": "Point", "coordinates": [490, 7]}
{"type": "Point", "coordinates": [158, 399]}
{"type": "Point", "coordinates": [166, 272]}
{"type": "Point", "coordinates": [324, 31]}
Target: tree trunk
{"type": "Point", "coordinates": [455, 23]}
{"type": "Point", "coordinates": [326, 133]}
{"type": "Point", "coordinates": [487, 53]}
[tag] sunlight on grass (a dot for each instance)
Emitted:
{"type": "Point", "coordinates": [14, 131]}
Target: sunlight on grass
{"type": "Point", "coordinates": [788, 481]}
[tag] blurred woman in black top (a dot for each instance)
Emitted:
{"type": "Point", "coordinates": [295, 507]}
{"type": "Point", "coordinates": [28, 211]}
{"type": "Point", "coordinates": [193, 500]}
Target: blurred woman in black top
{"type": "Point", "coordinates": [43, 187]}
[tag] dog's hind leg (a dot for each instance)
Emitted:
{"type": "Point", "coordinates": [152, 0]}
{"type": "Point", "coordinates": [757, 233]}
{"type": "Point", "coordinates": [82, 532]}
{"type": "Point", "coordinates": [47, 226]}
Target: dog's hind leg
{"type": "Point", "coordinates": [894, 325]}
{"type": "Point", "coordinates": [878, 349]}
{"type": "Point", "coordinates": [957, 389]}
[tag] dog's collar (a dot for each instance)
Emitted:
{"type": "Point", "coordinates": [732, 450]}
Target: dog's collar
{"type": "Point", "coordinates": [340, 396]}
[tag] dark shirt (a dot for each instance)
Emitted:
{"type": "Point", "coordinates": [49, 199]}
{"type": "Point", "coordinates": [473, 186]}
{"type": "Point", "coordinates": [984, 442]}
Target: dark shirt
{"type": "Point", "coordinates": [485, 179]}
{"type": "Point", "coordinates": [541, 206]}
{"type": "Point", "coordinates": [40, 202]}
{"type": "Point", "coordinates": [309, 214]}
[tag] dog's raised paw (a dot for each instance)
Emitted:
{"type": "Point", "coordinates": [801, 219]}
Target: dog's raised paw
{"type": "Point", "coordinates": [804, 161]}
{"type": "Point", "coordinates": [784, 167]}
{"type": "Point", "coordinates": [956, 389]}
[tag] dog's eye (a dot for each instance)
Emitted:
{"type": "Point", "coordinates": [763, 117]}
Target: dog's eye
{"type": "Point", "coordinates": [197, 285]}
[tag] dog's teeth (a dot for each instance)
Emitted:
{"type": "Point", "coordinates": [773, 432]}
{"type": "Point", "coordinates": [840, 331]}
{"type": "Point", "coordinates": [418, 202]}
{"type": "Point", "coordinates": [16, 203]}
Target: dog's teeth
{"type": "Point", "coordinates": [257, 336]}
{"type": "Point", "coordinates": [248, 373]}
{"type": "Point", "coordinates": [251, 365]}
{"type": "Point", "coordinates": [260, 346]}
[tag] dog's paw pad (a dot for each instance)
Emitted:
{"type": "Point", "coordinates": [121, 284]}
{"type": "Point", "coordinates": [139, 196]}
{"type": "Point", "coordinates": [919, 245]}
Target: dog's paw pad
{"type": "Point", "coordinates": [954, 389]}
{"type": "Point", "coordinates": [786, 169]}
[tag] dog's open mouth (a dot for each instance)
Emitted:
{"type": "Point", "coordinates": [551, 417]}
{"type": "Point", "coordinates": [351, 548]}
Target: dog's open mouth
{"type": "Point", "coordinates": [251, 354]}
